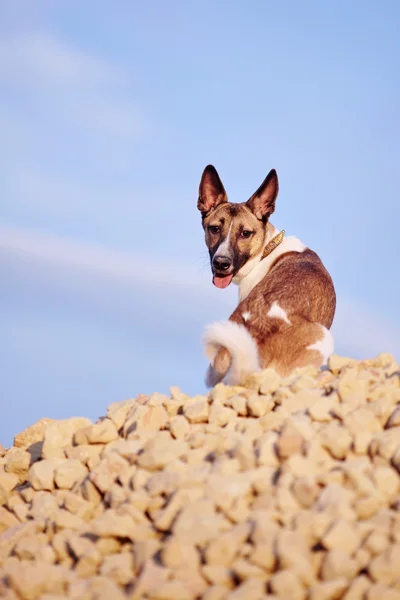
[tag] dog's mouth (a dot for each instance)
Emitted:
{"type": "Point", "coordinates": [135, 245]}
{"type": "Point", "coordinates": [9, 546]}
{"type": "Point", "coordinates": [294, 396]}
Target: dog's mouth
{"type": "Point", "coordinates": [222, 281]}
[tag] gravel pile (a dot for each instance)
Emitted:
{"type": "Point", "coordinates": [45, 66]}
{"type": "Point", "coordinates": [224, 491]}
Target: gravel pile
{"type": "Point", "coordinates": [285, 488]}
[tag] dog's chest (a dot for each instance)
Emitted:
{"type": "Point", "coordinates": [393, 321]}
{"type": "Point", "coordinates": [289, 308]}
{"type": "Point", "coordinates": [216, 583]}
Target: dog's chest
{"type": "Point", "coordinates": [252, 279]}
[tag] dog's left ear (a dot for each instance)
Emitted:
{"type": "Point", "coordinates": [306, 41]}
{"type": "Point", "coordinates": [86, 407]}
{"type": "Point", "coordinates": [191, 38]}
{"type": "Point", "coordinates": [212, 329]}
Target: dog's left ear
{"type": "Point", "coordinates": [262, 203]}
{"type": "Point", "coordinates": [211, 191]}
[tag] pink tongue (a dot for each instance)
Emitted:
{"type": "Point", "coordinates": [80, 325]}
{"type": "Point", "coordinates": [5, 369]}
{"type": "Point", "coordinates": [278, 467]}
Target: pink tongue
{"type": "Point", "coordinates": [222, 282]}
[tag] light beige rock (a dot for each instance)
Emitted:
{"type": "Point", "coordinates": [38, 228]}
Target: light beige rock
{"type": "Point", "coordinates": [177, 553]}
{"type": "Point", "coordinates": [118, 412]}
{"type": "Point", "coordinates": [328, 590]}
{"type": "Point", "coordinates": [32, 579]}
{"type": "Point", "coordinates": [341, 535]}
{"type": "Point", "coordinates": [338, 363]}
{"type": "Point", "coordinates": [198, 522]}
{"type": "Point", "coordinates": [196, 410]}
{"type": "Point", "coordinates": [289, 442]}
{"type": "Point", "coordinates": [338, 564]}
{"type": "Point", "coordinates": [270, 381]}
{"type": "Point", "coordinates": [59, 434]}
{"type": "Point", "coordinates": [32, 434]}
{"type": "Point", "coordinates": [287, 586]}
{"type": "Point", "coordinates": [218, 576]}
{"type": "Point", "coordinates": [258, 405]}
{"type": "Point", "coordinates": [357, 588]}
{"type": "Point", "coordinates": [84, 452]}
{"type": "Point", "coordinates": [107, 471]}
{"type": "Point", "coordinates": [68, 473]}
{"type": "Point", "coordinates": [161, 450]}
{"type": "Point", "coordinates": [222, 550]}
{"type": "Point", "coordinates": [113, 524]}
{"type": "Point", "coordinates": [97, 587]}
{"type": "Point", "coordinates": [266, 449]}
{"type": "Point", "coordinates": [151, 578]}
{"type": "Point", "coordinates": [248, 590]}
{"type": "Point", "coordinates": [164, 517]}
{"type": "Point", "coordinates": [143, 418]}
{"type": "Point", "coordinates": [14, 531]}
{"type": "Point", "coordinates": [216, 592]}
{"type": "Point", "coordinates": [352, 389]}
{"type": "Point", "coordinates": [41, 474]}
{"type": "Point", "coordinates": [387, 481]}
{"type": "Point", "coordinates": [119, 568]}
{"type": "Point", "coordinates": [8, 481]}
{"type": "Point", "coordinates": [178, 590]}
{"type": "Point", "coordinates": [17, 461]}
{"type": "Point", "coordinates": [336, 439]}
{"type": "Point", "coordinates": [102, 432]}
{"type": "Point", "coordinates": [179, 426]}
{"type": "Point", "coordinates": [35, 548]}
{"type": "Point", "coordinates": [220, 415]}
{"type": "Point", "coordinates": [238, 403]}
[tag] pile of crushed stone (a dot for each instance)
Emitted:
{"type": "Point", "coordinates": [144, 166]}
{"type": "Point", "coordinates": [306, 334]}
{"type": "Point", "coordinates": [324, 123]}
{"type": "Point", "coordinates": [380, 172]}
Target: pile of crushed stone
{"type": "Point", "coordinates": [285, 488]}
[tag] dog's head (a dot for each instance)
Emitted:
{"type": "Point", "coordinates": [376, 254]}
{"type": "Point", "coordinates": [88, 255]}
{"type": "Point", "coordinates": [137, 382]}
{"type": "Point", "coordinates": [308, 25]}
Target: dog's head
{"type": "Point", "coordinates": [235, 233]}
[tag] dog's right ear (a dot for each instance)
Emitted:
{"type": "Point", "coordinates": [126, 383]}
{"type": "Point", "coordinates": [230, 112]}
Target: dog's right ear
{"type": "Point", "coordinates": [211, 191]}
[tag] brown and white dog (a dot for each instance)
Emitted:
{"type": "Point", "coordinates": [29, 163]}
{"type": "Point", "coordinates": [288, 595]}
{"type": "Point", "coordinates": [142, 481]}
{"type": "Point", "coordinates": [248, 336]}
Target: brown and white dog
{"type": "Point", "coordinates": [287, 299]}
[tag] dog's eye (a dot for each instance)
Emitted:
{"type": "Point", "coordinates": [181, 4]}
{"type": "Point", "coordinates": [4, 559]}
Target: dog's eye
{"type": "Point", "coordinates": [214, 228]}
{"type": "Point", "coordinates": [246, 233]}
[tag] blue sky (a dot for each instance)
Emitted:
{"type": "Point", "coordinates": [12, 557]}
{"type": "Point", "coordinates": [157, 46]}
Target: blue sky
{"type": "Point", "coordinates": [108, 114]}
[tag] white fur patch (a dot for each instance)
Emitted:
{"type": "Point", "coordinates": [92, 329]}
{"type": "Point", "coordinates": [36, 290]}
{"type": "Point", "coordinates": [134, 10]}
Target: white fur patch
{"type": "Point", "coordinates": [239, 343]}
{"type": "Point", "coordinates": [223, 249]}
{"type": "Point", "coordinates": [260, 270]}
{"type": "Point", "coordinates": [246, 316]}
{"type": "Point", "coordinates": [277, 312]}
{"type": "Point", "coordinates": [325, 346]}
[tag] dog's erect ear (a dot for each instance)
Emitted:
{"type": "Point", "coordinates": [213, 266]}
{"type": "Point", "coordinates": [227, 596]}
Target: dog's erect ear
{"type": "Point", "coordinates": [211, 191]}
{"type": "Point", "coordinates": [262, 203]}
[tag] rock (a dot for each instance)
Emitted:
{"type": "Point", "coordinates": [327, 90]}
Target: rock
{"type": "Point", "coordinates": [41, 474]}
{"type": "Point", "coordinates": [107, 471]}
{"type": "Point", "coordinates": [220, 415]}
{"type": "Point", "coordinates": [196, 410]}
{"type": "Point", "coordinates": [118, 412]}
{"type": "Point", "coordinates": [338, 363]}
{"type": "Point", "coordinates": [286, 585]}
{"type": "Point", "coordinates": [103, 432]}
{"type": "Point", "coordinates": [197, 522]}
{"type": "Point", "coordinates": [17, 461]}
{"type": "Point", "coordinates": [282, 488]}
{"type": "Point", "coordinates": [119, 568]}
{"type": "Point", "coordinates": [179, 426]}
{"type": "Point", "coordinates": [58, 435]}
{"type": "Point", "coordinates": [145, 418]}
{"type": "Point", "coordinates": [31, 435]}
{"type": "Point", "coordinates": [341, 535]}
{"type": "Point", "coordinates": [8, 481]}
{"type": "Point", "coordinates": [68, 473]}
{"type": "Point", "coordinates": [161, 450]}
{"type": "Point", "coordinates": [178, 554]}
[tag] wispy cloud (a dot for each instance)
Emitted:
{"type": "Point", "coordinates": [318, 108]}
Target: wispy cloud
{"type": "Point", "coordinates": [40, 58]}
{"type": "Point", "coordinates": [59, 78]}
{"type": "Point", "coordinates": [71, 127]}
{"type": "Point", "coordinates": [356, 330]}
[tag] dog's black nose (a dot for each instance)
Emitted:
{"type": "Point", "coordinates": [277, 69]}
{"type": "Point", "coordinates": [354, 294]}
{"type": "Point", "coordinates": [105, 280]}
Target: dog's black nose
{"type": "Point", "coordinates": [221, 263]}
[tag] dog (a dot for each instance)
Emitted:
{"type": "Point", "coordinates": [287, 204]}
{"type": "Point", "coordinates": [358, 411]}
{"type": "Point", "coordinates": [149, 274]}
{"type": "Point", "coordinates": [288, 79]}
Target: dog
{"type": "Point", "coordinates": [287, 299]}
